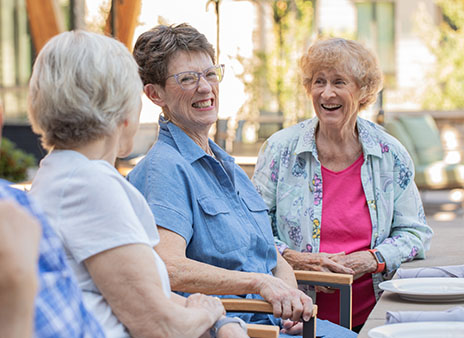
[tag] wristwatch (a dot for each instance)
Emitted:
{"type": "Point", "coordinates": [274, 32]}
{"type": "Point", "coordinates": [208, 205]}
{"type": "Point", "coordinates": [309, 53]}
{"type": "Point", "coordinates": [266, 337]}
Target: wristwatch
{"type": "Point", "coordinates": [226, 320]}
{"type": "Point", "coordinates": [379, 258]}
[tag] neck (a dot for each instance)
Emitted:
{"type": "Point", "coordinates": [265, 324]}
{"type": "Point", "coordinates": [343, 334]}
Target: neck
{"type": "Point", "coordinates": [201, 140]}
{"type": "Point", "coordinates": [200, 137]}
{"type": "Point", "coordinates": [337, 136]}
{"type": "Point", "coordinates": [337, 148]}
{"type": "Point", "coordinates": [104, 148]}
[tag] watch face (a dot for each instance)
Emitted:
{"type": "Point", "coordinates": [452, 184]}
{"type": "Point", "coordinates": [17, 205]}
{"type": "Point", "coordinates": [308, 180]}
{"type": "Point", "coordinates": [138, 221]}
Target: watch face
{"type": "Point", "coordinates": [379, 257]}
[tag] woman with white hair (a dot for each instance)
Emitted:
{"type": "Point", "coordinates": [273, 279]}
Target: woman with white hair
{"type": "Point", "coordinates": [85, 101]}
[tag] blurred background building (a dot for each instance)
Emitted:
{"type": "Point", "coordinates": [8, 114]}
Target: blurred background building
{"type": "Point", "coordinates": [260, 41]}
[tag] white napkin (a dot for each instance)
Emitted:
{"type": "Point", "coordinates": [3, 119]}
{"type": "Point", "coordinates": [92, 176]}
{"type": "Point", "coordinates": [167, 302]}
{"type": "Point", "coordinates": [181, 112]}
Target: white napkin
{"type": "Point", "coordinates": [455, 314]}
{"type": "Point", "coordinates": [456, 271]}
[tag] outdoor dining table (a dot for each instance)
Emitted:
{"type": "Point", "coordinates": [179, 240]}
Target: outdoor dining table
{"type": "Point", "coordinates": [447, 248]}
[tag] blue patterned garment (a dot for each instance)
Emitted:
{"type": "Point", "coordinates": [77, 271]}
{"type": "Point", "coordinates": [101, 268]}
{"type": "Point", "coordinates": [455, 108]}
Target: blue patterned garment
{"type": "Point", "coordinates": [288, 177]}
{"type": "Point", "coordinates": [59, 310]}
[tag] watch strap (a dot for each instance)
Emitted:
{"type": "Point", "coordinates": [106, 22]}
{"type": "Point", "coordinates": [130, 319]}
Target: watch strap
{"type": "Point", "coordinates": [226, 320]}
{"type": "Point", "coordinates": [380, 263]}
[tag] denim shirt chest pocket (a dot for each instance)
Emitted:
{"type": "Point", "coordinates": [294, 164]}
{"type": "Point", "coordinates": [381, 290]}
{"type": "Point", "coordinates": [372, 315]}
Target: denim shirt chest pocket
{"type": "Point", "coordinates": [262, 253]}
{"type": "Point", "coordinates": [258, 210]}
{"type": "Point", "coordinates": [222, 225]}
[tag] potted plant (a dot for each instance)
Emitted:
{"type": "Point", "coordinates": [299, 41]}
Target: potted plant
{"type": "Point", "coordinates": [14, 162]}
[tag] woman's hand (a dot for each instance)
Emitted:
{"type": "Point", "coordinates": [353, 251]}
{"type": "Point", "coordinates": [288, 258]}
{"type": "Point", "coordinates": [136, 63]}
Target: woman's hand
{"type": "Point", "coordinates": [287, 302]}
{"type": "Point", "coordinates": [291, 327]}
{"type": "Point", "coordinates": [316, 261]}
{"type": "Point", "coordinates": [211, 305]}
{"type": "Point", "coordinates": [361, 262]}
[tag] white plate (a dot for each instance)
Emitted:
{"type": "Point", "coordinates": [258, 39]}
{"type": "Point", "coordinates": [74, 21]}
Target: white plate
{"type": "Point", "coordinates": [419, 330]}
{"type": "Point", "coordinates": [427, 289]}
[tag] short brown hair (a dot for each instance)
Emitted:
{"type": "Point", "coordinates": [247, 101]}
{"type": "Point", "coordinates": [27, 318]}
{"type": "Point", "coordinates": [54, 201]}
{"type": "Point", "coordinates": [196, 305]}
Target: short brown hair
{"type": "Point", "coordinates": [348, 56]}
{"type": "Point", "coordinates": [155, 48]}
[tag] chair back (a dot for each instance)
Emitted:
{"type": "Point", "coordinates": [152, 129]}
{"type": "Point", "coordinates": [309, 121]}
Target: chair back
{"type": "Point", "coordinates": [425, 137]}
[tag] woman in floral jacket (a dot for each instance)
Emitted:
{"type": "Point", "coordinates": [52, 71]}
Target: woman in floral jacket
{"type": "Point", "coordinates": [340, 190]}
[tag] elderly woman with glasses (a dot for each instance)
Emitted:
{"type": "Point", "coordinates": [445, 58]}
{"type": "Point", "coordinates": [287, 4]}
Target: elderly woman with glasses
{"type": "Point", "coordinates": [214, 229]}
{"type": "Point", "coordinates": [85, 101]}
{"type": "Point", "coordinates": [340, 190]}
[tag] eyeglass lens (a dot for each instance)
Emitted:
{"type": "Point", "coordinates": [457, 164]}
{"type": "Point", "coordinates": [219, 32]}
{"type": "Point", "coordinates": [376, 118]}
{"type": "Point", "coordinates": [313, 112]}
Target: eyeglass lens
{"type": "Point", "coordinates": [190, 80]}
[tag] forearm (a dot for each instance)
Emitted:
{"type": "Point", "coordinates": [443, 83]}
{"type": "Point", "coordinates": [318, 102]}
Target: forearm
{"type": "Point", "coordinates": [315, 261]}
{"type": "Point", "coordinates": [191, 276]}
{"type": "Point", "coordinates": [284, 271]}
{"type": "Point", "coordinates": [136, 297]}
{"type": "Point", "coordinates": [165, 318]}
{"type": "Point", "coordinates": [305, 260]}
{"type": "Point", "coordinates": [190, 322]}
{"type": "Point", "coordinates": [17, 305]}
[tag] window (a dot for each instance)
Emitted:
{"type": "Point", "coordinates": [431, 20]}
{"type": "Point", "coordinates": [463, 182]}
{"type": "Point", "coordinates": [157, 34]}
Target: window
{"type": "Point", "coordinates": [15, 58]}
{"type": "Point", "coordinates": [17, 55]}
{"type": "Point", "coordinates": [376, 28]}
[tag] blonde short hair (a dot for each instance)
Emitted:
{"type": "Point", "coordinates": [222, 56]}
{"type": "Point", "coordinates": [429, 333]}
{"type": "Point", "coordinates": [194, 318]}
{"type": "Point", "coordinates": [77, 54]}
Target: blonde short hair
{"type": "Point", "coordinates": [348, 56]}
{"type": "Point", "coordinates": [83, 86]}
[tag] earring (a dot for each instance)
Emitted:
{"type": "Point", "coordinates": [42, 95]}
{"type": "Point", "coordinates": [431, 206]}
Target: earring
{"type": "Point", "coordinates": [165, 120]}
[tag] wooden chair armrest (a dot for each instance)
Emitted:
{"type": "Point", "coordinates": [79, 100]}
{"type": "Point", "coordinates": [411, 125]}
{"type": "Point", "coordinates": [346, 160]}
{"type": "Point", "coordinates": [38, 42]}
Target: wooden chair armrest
{"type": "Point", "coordinates": [261, 306]}
{"type": "Point", "coordinates": [251, 305]}
{"type": "Point", "coordinates": [246, 305]}
{"type": "Point", "coordinates": [340, 281]}
{"type": "Point", "coordinates": [324, 277]}
{"type": "Point", "coordinates": [262, 331]}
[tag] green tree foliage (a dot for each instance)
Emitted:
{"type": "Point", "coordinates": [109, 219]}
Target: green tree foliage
{"type": "Point", "coordinates": [447, 43]}
{"type": "Point", "coordinates": [273, 78]}
{"type": "Point", "coordinates": [14, 162]}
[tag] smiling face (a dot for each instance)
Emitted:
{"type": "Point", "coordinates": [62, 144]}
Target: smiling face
{"type": "Point", "coordinates": [194, 110]}
{"type": "Point", "coordinates": [336, 98]}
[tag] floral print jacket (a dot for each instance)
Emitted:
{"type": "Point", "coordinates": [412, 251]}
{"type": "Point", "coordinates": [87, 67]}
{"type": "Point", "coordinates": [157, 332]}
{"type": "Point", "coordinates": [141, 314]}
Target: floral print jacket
{"type": "Point", "coordinates": [288, 177]}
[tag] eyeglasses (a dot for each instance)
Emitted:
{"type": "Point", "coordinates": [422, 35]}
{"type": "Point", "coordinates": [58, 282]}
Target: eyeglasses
{"type": "Point", "coordinates": [191, 80]}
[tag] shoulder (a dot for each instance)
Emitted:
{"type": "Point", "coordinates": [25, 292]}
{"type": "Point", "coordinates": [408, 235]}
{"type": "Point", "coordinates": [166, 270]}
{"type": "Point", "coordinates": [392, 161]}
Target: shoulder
{"type": "Point", "coordinates": [292, 134]}
{"type": "Point", "coordinates": [162, 163]}
{"type": "Point", "coordinates": [375, 135]}
{"type": "Point", "coordinates": [94, 176]}
{"type": "Point", "coordinates": [162, 157]}
{"type": "Point", "coordinates": [287, 140]}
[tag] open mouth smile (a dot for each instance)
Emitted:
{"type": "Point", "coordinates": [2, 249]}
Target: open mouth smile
{"type": "Point", "coordinates": [331, 107]}
{"type": "Point", "coordinates": [203, 104]}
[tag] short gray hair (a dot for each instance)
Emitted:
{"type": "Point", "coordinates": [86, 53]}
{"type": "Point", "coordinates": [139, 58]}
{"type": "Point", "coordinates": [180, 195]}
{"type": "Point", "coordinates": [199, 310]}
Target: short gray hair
{"type": "Point", "coordinates": [83, 86]}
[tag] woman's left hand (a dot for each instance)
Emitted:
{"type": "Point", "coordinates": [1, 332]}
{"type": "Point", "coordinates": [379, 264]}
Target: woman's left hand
{"type": "Point", "coordinates": [291, 327]}
{"type": "Point", "coordinates": [360, 262]}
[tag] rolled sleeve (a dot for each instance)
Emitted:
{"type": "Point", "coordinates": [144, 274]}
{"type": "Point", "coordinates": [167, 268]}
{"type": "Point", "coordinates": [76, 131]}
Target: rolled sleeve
{"type": "Point", "coordinates": [166, 189]}
{"type": "Point", "coordinates": [172, 219]}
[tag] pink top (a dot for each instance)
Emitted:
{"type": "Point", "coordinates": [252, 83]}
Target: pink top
{"type": "Point", "coordinates": [346, 226]}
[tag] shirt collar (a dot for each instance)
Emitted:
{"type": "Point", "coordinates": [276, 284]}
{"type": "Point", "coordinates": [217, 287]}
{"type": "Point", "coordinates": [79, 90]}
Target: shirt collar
{"type": "Point", "coordinates": [186, 146]}
{"type": "Point", "coordinates": [367, 132]}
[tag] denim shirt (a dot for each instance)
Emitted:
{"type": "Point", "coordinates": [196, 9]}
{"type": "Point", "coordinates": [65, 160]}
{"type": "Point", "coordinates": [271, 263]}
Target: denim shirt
{"type": "Point", "coordinates": [288, 177]}
{"type": "Point", "coordinates": [208, 201]}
